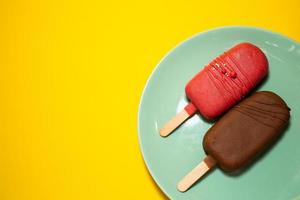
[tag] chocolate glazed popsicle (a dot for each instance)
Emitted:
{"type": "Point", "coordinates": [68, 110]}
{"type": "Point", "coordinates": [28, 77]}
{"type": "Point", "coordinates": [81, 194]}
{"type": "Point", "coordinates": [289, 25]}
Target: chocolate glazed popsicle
{"type": "Point", "coordinates": [241, 135]}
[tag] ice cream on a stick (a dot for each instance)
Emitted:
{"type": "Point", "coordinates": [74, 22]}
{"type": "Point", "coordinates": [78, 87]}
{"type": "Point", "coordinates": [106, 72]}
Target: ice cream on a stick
{"type": "Point", "coordinates": [241, 135]}
{"type": "Point", "coordinates": [222, 83]}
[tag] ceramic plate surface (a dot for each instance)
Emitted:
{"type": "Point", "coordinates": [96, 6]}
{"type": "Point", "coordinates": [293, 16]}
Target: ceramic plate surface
{"type": "Point", "coordinates": [275, 176]}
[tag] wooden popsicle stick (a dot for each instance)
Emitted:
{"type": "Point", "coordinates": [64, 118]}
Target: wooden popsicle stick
{"type": "Point", "coordinates": [194, 175]}
{"type": "Point", "coordinates": [174, 123]}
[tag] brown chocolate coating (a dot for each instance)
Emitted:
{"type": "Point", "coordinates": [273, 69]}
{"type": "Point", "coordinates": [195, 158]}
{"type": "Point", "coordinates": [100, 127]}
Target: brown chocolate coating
{"type": "Point", "coordinates": [246, 130]}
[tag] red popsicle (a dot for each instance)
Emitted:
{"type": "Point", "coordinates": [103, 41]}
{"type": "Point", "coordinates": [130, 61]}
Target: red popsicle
{"type": "Point", "coordinates": [222, 83]}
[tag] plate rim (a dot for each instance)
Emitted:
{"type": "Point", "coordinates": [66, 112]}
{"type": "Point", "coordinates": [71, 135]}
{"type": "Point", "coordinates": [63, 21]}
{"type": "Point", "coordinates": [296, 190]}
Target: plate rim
{"type": "Point", "coordinates": [204, 32]}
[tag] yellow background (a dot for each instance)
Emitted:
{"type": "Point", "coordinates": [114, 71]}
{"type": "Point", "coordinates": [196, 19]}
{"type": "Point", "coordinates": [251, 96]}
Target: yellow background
{"type": "Point", "coordinates": [71, 76]}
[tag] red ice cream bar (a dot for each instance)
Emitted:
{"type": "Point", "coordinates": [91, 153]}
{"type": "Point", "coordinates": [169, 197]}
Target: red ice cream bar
{"type": "Point", "coordinates": [222, 83]}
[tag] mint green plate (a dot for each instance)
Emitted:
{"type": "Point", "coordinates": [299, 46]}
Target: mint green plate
{"type": "Point", "coordinates": [275, 176]}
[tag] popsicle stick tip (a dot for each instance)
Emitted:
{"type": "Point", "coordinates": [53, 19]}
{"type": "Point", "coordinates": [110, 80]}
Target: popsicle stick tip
{"type": "Point", "coordinates": [181, 187]}
{"type": "Point", "coordinates": [171, 125]}
{"type": "Point", "coordinates": [193, 176]}
{"type": "Point", "coordinates": [164, 132]}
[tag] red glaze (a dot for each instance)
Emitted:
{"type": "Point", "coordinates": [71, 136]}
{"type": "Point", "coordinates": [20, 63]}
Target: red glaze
{"type": "Point", "coordinates": [227, 79]}
{"type": "Point", "coordinates": [190, 109]}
